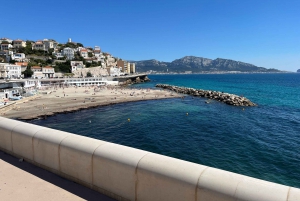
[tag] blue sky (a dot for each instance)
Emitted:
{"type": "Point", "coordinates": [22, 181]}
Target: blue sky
{"type": "Point", "coordinates": [261, 32]}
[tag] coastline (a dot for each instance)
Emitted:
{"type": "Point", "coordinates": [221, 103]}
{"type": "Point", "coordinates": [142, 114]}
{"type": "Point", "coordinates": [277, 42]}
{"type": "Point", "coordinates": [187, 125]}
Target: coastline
{"type": "Point", "coordinates": [54, 101]}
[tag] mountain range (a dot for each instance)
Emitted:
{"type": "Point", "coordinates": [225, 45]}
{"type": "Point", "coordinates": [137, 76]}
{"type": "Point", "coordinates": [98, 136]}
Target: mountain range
{"type": "Point", "coordinates": [198, 64]}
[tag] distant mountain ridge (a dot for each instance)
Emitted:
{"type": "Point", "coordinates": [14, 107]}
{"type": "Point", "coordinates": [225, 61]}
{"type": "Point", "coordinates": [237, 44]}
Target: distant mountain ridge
{"type": "Point", "coordinates": [198, 64]}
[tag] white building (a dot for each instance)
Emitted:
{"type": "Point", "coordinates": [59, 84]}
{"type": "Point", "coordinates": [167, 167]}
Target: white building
{"type": "Point", "coordinates": [48, 72]}
{"type": "Point", "coordinates": [18, 56]}
{"type": "Point", "coordinates": [68, 52]}
{"type": "Point", "coordinates": [23, 65]}
{"type": "Point", "coordinates": [91, 81]}
{"type": "Point", "coordinates": [5, 46]}
{"type": "Point", "coordinates": [76, 65]}
{"type": "Point", "coordinates": [58, 55]}
{"type": "Point", "coordinates": [5, 39]}
{"type": "Point", "coordinates": [37, 72]}
{"type": "Point", "coordinates": [84, 53]}
{"type": "Point", "coordinates": [49, 44]}
{"type": "Point", "coordinates": [42, 72]}
{"type": "Point", "coordinates": [114, 71]}
{"type": "Point", "coordinates": [10, 70]}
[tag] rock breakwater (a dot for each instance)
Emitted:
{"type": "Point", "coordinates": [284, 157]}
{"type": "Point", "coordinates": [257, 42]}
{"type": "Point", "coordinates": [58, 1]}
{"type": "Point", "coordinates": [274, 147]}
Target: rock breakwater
{"type": "Point", "coordinates": [230, 99]}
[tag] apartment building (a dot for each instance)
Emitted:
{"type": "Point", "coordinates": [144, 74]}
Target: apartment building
{"type": "Point", "coordinates": [127, 68]}
{"type": "Point", "coordinates": [10, 70]}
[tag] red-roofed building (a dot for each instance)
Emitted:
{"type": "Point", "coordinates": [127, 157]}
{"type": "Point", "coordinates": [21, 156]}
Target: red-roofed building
{"type": "Point", "coordinates": [23, 65]}
{"type": "Point", "coordinates": [84, 53]}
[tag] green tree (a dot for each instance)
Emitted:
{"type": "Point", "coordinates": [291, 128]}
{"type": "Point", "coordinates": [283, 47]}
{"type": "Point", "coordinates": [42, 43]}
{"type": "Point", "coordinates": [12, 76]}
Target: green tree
{"type": "Point", "coordinates": [28, 72]}
{"type": "Point", "coordinates": [63, 67]}
{"type": "Point", "coordinates": [79, 45]}
{"type": "Point", "coordinates": [89, 74]}
{"type": "Point", "coordinates": [90, 54]}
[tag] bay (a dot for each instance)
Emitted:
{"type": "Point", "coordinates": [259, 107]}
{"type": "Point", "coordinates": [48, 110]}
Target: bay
{"type": "Point", "coordinates": [261, 142]}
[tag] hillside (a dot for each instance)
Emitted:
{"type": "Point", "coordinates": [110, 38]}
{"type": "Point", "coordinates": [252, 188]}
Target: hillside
{"type": "Point", "coordinates": [198, 64]}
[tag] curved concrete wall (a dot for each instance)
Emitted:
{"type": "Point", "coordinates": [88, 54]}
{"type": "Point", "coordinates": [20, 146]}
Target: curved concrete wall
{"type": "Point", "coordinates": [126, 173]}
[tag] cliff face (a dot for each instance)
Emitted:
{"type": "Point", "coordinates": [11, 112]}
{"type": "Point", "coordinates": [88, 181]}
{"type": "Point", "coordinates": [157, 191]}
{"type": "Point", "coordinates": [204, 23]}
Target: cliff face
{"type": "Point", "coordinates": [198, 64]}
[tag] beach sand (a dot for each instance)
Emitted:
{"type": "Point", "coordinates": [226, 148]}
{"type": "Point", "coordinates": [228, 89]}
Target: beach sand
{"type": "Point", "coordinates": [63, 100]}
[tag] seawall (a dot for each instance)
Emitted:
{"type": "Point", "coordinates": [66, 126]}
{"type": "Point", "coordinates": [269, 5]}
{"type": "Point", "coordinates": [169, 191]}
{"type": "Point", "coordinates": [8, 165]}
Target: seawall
{"type": "Point", "coordinates": [125, 173]}
{"type": "Point", "coordinates": [229, 99]}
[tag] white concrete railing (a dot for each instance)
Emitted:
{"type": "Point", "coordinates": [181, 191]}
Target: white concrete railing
{"type": "Point", "coordinates": [126, 173]}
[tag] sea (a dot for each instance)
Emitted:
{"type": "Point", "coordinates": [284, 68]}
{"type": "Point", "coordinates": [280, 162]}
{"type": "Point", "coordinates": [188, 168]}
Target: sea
{"type": "Point", "coordinates": [261, 142]}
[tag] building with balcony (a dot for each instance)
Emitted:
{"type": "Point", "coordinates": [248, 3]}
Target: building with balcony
{"type": "Point", "coordinates": [10, 70]}
{"type": "Point", "coordinates": [48, 72]}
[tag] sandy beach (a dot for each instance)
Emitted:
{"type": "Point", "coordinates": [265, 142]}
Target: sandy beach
{"type": "Point", "coordinates": [52, 101]}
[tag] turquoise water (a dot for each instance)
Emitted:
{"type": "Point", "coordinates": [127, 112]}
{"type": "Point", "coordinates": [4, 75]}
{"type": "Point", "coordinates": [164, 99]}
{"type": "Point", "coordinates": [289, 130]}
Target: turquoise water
{"type": "Point", "coordinates": [261, 142]}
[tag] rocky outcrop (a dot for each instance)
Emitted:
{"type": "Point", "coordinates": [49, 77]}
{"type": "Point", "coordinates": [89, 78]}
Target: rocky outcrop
{"type": "Point", "coordinates": [198, 64]}
{"type": "Point", "coordinates": [133, 80]}
{"type": "Point", "coordinates": [230, 99]}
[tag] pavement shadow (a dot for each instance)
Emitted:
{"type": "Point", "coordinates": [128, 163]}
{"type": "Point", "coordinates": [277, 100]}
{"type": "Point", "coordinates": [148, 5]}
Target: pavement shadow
{"type": "Point", "coordinates": [72, 187]}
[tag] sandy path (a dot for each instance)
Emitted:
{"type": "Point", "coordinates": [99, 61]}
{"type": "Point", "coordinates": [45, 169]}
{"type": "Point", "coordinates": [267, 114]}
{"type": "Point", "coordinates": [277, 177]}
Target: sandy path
{"type": "Point", "coordinates": [70, 99]}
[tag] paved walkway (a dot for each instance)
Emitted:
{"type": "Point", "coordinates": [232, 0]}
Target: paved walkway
{"type": "Point", "coordinates": [23, 181]}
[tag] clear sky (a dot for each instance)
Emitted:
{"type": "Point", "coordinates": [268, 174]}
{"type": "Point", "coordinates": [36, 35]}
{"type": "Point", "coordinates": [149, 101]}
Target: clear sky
{"type": "Point", "coordinates": [261, 32]}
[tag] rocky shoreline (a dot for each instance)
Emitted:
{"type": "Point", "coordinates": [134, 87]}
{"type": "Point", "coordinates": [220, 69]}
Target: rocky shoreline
{"type": "Point", "coordinates": [229, 99]}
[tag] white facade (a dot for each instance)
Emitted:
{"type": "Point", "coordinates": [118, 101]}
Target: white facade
{"type": "Point", "coordinates": [114, 71]}
{"type": "Point", "coordinates": [89, 81]}
{"type": "Point", "coordinates": [31, 83]}
{"type": "Point", "coordinates": [48, 44]}
{"type": "Point", "coordinates": [10, 70]}
{"type": "Point", "coordinates": [84, 53]}
{"type": "Point", "coordinates": [42, 72]}
{"type": "Point", "coordinates": [68, 52]}
{"type": "Point", "coordinates": [5, 39]}
{"type": "Point", "coordinates": [6, 46]}
{"type": "Point", "coordinates": [48, 72]}
{"type": "Point", "coordinates": [18, 56]}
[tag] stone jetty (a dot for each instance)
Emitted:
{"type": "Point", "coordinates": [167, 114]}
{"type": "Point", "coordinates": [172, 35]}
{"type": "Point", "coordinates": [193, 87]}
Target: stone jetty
{"type": "Point", "coordinates": [230, 99]}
